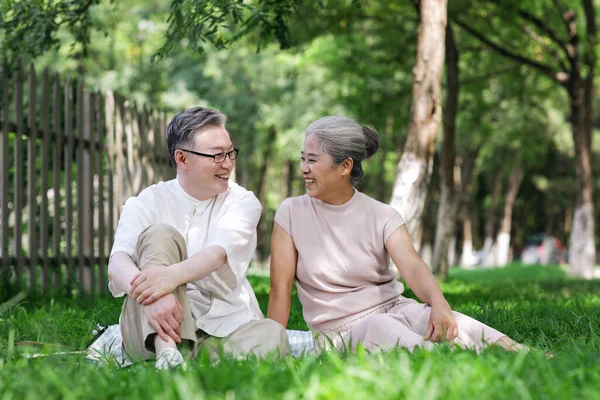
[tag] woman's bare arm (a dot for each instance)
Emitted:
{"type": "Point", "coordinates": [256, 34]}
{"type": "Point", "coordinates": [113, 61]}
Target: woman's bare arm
{"type": "Point", "coordinates": [284, 257]}
{"type": "Point", "coordinates": [442, 324]}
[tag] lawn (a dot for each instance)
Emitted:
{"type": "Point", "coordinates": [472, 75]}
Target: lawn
{"type": "Point", "coordinates": [537, 306]}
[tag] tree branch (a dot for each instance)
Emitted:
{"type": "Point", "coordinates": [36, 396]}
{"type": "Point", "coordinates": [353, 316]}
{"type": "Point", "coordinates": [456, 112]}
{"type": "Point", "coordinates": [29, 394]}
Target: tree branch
{"type": "Point", "coordinates": [591, 27]}
{"type": "Point", "coordinates": [549, 48]}
{"type": "Point", "coordinates": [75, 14]}
{"type": "Point", "coordinates": [543, 27]}
{"type": "Point", "coordinates": [486, 77]}
{"type": "Point", "coordinates": [84, 7]}
{"type": "Point", "coordinates": [560, 77]}
{"type": "Point", "coordinates": [468, 166]}
{"type": "Point", "coordinates": [590, 61]}
{"type": "Point", "coordinates": [563, 15]}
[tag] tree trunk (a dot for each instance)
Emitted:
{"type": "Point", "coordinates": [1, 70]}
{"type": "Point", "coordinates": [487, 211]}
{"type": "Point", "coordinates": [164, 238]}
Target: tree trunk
{"type": "Point", "coordinates": [466, 257]}
{"type": "Point", "coordinates": [426, 252]}
{"type": "Point", "coordinates": [467, 168]}
{"type": "Point", "coordinates": [387, 138]}
{"type": "Point", "coordinates": [489, 250]}
{"type": "Point", "coordinates": [416, 163]}
{"type": "Point", "coordinates": [261, 192]}
{"type": "Point", "coordinates": [446, 217]}
{"type": "Point", "coordinates": [289, 177]}
{"type": "Point", "coordinates": [452, 250]}
{"type": "Point", "coordinates": [503, 238]}
{"type": "Point", "coordinates": [423, 239]}
{"type": "Point", "coordinates": [446, 223]}
{"type": "Point", "coordinates": [582, 250]}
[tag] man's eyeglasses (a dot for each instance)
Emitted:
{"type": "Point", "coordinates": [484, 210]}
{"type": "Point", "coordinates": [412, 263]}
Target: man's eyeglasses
{"type": "Point", "coordinates": [219, 157]}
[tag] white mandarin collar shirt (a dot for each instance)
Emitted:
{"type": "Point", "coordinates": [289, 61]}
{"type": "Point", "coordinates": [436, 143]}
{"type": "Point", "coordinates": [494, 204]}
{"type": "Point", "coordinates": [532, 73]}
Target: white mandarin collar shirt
{"type": "Point", "coordinates": [224, 300]}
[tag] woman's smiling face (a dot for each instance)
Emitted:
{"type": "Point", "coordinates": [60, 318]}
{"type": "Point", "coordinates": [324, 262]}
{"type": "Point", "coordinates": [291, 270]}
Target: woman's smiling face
{"type": "Point", "coordinates": [323, 178]}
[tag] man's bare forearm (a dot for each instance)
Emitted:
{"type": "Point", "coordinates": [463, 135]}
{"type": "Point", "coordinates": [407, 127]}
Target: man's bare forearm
{"type": "Point", "coordinates": [200, 265]}
{"type": "Point", "coordinates": [122, 269]}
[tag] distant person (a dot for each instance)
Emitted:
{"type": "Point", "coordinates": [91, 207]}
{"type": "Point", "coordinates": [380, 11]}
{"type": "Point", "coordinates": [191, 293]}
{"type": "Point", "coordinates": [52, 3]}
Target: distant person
{"type": "Point", "coordinates": [182, 250]}
{"type": "Point", "coordinates": [334, 241]}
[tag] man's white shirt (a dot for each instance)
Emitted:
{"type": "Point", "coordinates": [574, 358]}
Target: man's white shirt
{"type": "Point", "coordinates": [224, 300]}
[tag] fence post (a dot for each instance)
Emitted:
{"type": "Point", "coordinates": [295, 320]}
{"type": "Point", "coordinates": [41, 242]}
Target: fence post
{"type": "Point", "coordinates": [91, 128]}
{"type": "Point", "coordinates": [80, 202]}
{"type": "Point", "coordinates": [57, 155]}
{"type": "Point", "coordinates": [4, 173]}
{"type": "Point", "coordinates": [31, 181]}
{"type": "Point", "coordinates": [19, 175]}
{"type": "Point", "coordinates": [120, 164]}
{"type": "Point", "coordinates": [71, 274]}
{"type": "Point", "coordinates": [44, 167]}
{"type": "Point", "coordinates": [110, 143]}
{"type": "Point", "coordinates": [101, 220]}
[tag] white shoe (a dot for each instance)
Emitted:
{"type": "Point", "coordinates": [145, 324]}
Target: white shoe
{"type": "Point", "coordinates": [169, 358]}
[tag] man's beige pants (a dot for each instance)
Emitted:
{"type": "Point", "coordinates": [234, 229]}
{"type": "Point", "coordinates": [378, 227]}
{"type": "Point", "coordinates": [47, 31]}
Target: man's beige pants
{"type": "Point", "coordinates": [162, 245]}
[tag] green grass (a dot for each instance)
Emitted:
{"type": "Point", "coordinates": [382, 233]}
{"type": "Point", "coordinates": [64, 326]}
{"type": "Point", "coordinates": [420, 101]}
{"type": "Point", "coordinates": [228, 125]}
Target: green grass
{"type": "Point", "coordinates": [538, 306]}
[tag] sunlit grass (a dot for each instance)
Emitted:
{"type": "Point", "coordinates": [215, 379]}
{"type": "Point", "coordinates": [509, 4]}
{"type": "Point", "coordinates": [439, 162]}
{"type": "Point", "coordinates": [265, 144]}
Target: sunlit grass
{"type": "Point", "coordinates": [535, 305]}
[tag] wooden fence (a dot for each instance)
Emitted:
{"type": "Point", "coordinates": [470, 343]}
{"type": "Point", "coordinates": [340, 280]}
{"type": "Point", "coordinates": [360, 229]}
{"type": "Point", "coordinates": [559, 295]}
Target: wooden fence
{"type": "Point", "coordinates": [69, 159]}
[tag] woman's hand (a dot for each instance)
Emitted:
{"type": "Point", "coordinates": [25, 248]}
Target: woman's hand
{"type": "Point", "coordinates": [442, 324]}
{"type": "Point", "coordinates": [418, 276]}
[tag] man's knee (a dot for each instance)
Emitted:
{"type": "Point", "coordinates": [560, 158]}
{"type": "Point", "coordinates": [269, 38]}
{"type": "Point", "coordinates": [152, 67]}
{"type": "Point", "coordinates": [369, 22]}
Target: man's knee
{"type": "Point", "coordinates": [269, 338]}
{"type": "Point", "coordinates": [161, 232]}
{"type": "Point", "coordinates": [160, 244]}
{"type": "Point", "coordinates": [277, 334]}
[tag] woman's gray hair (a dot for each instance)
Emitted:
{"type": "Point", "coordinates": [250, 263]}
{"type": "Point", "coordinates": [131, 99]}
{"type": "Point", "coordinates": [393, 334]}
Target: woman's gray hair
{"type": "Point", "coordinates": [182, 129]}
{"type": "Point", "coordinates": [343, 138]}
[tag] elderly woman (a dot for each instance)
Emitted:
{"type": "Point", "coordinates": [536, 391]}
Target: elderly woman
{"type": "Point", "coordinates": [334, 241]}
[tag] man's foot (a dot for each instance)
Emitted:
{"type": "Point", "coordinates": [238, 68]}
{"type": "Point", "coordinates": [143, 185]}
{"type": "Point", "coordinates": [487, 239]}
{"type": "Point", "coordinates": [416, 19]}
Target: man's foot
{"type": "Point", "coordinates": [169, 358]}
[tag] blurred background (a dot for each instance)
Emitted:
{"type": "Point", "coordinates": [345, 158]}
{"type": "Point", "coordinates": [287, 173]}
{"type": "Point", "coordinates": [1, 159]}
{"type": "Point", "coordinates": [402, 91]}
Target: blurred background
{"type": "Point", "coordinates": [488, 117]}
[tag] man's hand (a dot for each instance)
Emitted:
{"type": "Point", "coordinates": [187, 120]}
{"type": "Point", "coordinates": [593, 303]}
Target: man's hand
{"type": "Point", "coordinates": [165, 315]}
{"type": "Point", "coordinates": [442, 324]}
{"type": "Point", "coordinates": [152, 284]}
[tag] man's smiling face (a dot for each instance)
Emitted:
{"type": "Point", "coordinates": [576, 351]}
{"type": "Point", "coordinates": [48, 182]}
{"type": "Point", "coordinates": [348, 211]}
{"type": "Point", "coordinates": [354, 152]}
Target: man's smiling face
{"type": "Point", "coordinates": [208, 177]}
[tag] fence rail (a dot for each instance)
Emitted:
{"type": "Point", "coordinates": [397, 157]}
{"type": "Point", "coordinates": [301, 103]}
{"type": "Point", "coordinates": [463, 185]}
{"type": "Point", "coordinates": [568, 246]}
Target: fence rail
{"type": "Point", "coordinates": [69, 158]}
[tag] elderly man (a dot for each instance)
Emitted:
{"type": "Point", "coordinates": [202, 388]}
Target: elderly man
{"type": "Point", "coordinates": [182, 250]}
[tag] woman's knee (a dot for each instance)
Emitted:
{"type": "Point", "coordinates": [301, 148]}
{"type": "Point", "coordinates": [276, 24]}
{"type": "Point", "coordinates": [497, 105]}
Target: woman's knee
{"type": "Point", "coordinates": [383, 328]}
{"type": "Point", "coordinates": [387, 330]}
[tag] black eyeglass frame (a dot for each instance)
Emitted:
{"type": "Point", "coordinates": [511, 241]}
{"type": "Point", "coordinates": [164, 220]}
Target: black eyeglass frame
{"type": "Point", "coordinates": [229, 154]}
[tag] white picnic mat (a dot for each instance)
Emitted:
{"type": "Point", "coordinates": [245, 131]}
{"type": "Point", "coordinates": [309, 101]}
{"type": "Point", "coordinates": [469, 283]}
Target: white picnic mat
{"type": "Point", "coordinates": [108, 346]}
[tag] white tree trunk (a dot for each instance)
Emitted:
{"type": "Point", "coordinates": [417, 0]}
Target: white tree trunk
{"type": "Point", "coordinates": [415, 166]}
{"type": "Point", "coordinates": [426, 253]}
{"type": "Point", "coordinates": [452, 251]}
{"type": "Point", "coordinates": [582, 251]}
{"type": "Point", "coordinates": [503, 248]}
{"type": "Point", "coordinates": [503, 237]}
{"type": "Point", "coordinates": [489, 253]}
{"type": "Point", "coordinates": [466, 258]}
{"type": "Point", "coordinates": [548, 251]}
{"type": "Point", "coordinates": [410, 189]}
{"type": "Point", "coordinates": [446, 220]}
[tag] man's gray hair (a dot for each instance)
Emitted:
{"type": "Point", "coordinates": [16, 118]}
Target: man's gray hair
{"type": "Point", "coordinates": [343, 138]}
{"type": "Point", "coordinates": [182, 129]}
